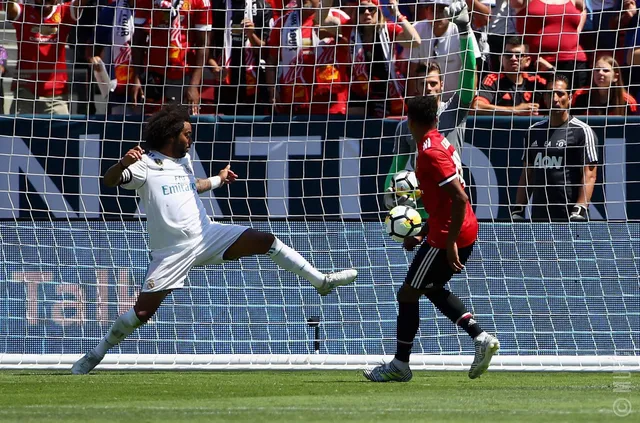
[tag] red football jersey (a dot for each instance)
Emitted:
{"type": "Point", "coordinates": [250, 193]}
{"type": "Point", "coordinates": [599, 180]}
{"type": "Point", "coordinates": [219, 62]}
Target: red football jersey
{"type": "Point", "coordinates": [41, 47]}
{"type": "Point", "coordinates": [169, 41]}
{"type": "Point", "coordinates": [438, 164]}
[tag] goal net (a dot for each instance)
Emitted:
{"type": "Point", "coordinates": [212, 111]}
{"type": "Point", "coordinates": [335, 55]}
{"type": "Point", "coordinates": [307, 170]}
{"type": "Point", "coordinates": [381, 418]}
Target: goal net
{"type": "Point", "coordinates": [559, 296]}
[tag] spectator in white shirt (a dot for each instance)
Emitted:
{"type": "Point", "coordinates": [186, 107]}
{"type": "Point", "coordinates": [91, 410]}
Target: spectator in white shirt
{"type": "Point", "coordinates": [440, 42]}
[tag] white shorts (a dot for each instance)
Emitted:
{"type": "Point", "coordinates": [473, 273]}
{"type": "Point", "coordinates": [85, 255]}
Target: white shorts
{"type": "Point", "coordinates": [170, 266]}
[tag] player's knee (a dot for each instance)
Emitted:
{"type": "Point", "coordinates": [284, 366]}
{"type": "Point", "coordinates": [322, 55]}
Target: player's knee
{"type": "Point", "coordinates": [408, 294]}
{"type": "Point", "coordinates": [435, 293]}
{"type": "Point", "coordinates": [268, 240]}
{"type": "Point", "coordinates": [143, 314]}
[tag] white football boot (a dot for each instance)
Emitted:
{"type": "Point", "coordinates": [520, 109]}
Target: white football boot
{"type": "Point", "coordinates": [485, 350]}
{"type": "Point", "coordinates": [388, 373]}
{"type": "Point", "coordinates": [333, 280]}
{"type": "Point", "coordinates": [86, 363]}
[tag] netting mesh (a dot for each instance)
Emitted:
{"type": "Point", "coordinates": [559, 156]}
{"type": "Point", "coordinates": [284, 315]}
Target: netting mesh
{"type": "Point", "coordinates": [544, 289]}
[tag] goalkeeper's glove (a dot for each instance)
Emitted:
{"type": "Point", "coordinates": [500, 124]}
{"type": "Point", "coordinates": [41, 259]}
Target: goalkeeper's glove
{"type": "Point", "coordinates": [458, 12]}
{"type": "Point", "coordinates": [579, 213]}
{"type": "Point", "coordinates": [391, 199]}
{"type": "Point", "coordinates": [517, 213]}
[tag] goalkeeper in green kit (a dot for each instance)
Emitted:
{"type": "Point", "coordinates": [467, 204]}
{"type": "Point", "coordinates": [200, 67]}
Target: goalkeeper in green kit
{"type": "Point", "coordinates": [452, 114]}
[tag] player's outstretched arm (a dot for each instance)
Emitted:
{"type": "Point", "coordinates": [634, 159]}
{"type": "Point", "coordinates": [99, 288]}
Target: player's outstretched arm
{"type": "Point", "coordinates": [225, 177]}
{"type": "Point", "coordinates": [113, 176]}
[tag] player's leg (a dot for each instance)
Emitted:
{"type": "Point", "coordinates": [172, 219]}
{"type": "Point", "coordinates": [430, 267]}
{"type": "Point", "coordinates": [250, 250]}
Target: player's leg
{"type": "Point", "coordinates": [167, 271]}
{"type": "Point", "coordinates": [451, 306]}
{"type": "Point", "coordinates": [252, 242]}
{"type": "Point", "coordinates": [408, 321]}
{"type": "Point", "coordinates": [144, 308]}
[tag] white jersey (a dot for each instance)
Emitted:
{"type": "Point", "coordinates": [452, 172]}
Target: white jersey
{"type": "Point", "coordinates": [167, 187]}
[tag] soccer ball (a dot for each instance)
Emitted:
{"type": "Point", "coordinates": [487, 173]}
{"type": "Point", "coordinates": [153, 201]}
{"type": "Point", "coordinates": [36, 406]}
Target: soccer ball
{"type": "Point", "coordinates": [405, 183]}
{"type": "Point", "coordinates": [401, 222]}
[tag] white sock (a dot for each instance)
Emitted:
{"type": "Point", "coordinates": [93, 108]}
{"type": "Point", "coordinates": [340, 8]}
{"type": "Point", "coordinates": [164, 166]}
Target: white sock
{"type": "Point", "coordinates": [481, 337]}
{"type": "Point", "coordinates": [289, 259]}
{"type": "Point", "coordinates": [121, 328]}
{"type": "Point", "coordinates": [400, 365]}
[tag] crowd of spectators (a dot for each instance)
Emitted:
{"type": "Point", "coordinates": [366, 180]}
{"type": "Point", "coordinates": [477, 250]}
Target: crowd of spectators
{"type": "Point", "coordinates": [317, 57]}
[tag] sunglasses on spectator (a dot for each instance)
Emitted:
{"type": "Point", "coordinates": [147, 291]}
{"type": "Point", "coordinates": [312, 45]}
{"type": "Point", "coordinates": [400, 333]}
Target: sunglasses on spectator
{"type": "Point", "coordinates": [370, 9]}
{"type": "Point", "coordinates": [517, 54]}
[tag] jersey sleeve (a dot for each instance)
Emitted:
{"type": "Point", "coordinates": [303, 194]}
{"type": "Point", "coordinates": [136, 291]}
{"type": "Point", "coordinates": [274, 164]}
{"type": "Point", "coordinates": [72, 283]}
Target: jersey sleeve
{"type": "Point", "coordinates": [343, 17]}
{"type": "Point", "coordinates": [420, 53]}
{"type": "Point", "coordinates": [439, 165]}
{"type": "Point", "coordinates": [590, 145]}
{"type": "Point", "coordinates": [135, 175]}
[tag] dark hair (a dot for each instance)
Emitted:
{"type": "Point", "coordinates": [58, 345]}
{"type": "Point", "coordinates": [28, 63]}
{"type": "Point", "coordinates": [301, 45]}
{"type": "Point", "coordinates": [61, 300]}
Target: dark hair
{"type": "Point", "coordinates": [514, 40]}
{"type": "Point", "coordinates": [559, 77]}
{"type": "Point", "coordinates": [423, 110]}
{"type": "Point", "coordinates": [426, 68]}
{"type": "Point", "coordinates": [164, 125]}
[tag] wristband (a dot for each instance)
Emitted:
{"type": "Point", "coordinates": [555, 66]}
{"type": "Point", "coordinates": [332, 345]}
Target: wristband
{"type": "Point", "coordinates": [123, 167]}
{"type": "Point", "coordinates": [216, 182]}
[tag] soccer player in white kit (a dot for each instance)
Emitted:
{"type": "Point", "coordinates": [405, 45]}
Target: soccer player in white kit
{"type": "Point", "coordinates": [181, 235]}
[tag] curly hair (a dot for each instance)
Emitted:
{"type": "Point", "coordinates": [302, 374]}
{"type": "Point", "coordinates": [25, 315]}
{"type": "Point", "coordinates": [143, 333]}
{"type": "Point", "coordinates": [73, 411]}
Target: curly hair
{"type": "Point", "coordinates": [165, 125]}
{"type": "Point", "coordinates": [423, 110]}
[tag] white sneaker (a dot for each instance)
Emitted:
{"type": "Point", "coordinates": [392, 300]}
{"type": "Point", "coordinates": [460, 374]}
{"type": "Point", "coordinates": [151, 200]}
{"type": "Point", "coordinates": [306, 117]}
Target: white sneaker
{"type": "Point", "coordinates": [86, 363]}
{"type": "Point", "coordinates": [388, 373]}
{"type": "Point", "coordinates": [332, 280]}
{"type": "Point", "coordinates": [485, 350]}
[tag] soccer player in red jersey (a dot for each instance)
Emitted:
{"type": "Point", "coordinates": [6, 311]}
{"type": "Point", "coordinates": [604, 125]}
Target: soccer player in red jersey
{"type": "Point", "coordinates": [41, 33]}
{"type": "Point", "coordinates": [448, 241]}
{"type": "Point", "coordinates": [166, 30]}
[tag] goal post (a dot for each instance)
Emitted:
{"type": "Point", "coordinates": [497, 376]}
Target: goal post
{"type": "Point", "coordinates": [560, 296]}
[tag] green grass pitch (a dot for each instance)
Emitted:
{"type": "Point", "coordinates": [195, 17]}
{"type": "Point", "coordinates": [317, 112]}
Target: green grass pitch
{"type": "Point", "coordinates": [315, 396]}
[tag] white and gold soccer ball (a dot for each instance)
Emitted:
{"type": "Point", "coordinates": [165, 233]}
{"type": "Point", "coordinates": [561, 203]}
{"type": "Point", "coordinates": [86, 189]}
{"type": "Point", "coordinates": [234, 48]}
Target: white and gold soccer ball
{"type": "Point", "coordinates": [401, 222]}
{"type": "Point", "coordinates": [405, 185]}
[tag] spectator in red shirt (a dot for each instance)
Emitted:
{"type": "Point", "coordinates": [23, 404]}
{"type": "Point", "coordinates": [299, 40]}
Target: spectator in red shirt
{"type": "Point", "coordinates": [551, 29]}
{"type": "Point", "coordinates": [166, 31]}
{"type": "Point", "coordinates": [607, 95]}
{"type": "Point", "coordinates": [306, 68]}
{"type": "Point", "coordinates": [512, 91]}
{"type": "Point", "coordinates": [42, 30]}
{"type": "Point", "coordinates": [377, 85]}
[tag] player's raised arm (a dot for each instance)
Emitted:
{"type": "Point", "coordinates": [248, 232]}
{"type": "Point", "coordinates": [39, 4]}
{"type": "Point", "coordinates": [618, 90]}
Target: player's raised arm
{"type": "Point", "coordinates": [459, 14]}
{"type": "Point", "coordinates": [114, 175]}
{"type": "Point", "coordinates": [225, 177]}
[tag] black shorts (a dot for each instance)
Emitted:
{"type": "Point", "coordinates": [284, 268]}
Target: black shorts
{"type": "Point", "coordinates": [430, 267]}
